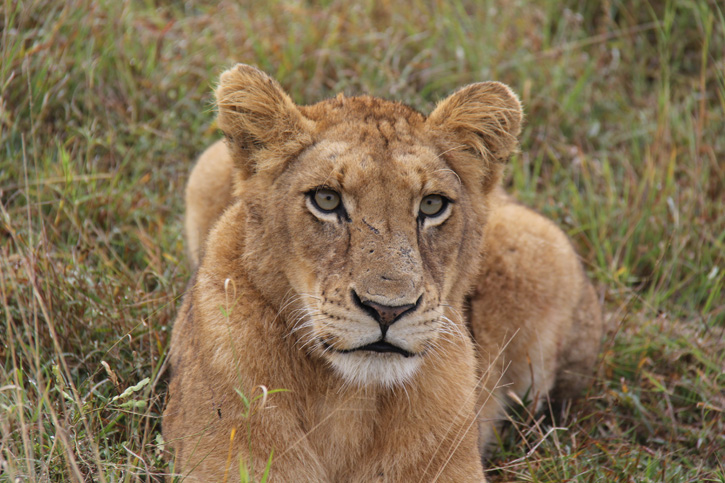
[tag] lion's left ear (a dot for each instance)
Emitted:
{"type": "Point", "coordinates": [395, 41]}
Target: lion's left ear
{"type": "Point", "coordinates": [484, 118]}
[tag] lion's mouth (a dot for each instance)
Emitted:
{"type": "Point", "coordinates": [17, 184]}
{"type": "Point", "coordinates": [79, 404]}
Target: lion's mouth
{"type": "Point", "coordinates": [380, 346]}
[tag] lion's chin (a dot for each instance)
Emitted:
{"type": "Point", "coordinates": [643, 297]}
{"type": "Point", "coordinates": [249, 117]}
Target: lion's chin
{"type": "Point", "coordinates": [369, 368]}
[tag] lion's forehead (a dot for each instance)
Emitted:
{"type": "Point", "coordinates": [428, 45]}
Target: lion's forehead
{"type": "Point", "coordinates": [363, 111]}
{"type": "Point", "coordinates": [359, 168]}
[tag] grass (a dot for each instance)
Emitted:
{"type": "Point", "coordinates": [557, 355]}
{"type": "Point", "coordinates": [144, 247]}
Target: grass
{"type": "Point", "coordinates": [104, 105]}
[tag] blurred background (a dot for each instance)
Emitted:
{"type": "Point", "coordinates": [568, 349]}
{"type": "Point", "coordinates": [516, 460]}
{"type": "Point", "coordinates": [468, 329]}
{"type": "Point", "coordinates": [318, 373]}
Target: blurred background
{"type": "Point", "coordinates": [104, 105]}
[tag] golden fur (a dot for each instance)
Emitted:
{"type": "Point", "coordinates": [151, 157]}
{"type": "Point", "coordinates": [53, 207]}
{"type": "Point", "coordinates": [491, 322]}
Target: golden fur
{"type": "Point", "coordinates": [286, 293]}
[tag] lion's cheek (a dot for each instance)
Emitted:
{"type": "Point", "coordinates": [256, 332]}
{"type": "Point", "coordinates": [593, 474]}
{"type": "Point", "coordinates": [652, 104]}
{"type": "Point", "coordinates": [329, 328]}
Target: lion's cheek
{"type": "Point", "coordinates": [449, 257]}
{"type": "Point", "coordinates": [320, 251]}
{"type": "Point", "coordinates": [437, 252]}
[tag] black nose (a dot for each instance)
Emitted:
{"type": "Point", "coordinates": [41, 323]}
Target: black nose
{"type": "Point", "coordinates": [384, 314]}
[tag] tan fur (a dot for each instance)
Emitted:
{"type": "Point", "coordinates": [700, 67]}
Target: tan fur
{"type": "Point", "coordinates": [273, 301]}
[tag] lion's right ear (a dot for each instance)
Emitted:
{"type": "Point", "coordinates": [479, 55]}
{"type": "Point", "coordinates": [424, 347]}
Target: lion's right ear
{"type": "Point", "coordinates": [257, 116]}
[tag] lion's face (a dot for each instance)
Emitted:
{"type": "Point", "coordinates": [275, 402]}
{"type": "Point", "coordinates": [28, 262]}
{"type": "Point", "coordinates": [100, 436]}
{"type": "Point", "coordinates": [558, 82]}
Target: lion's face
{"type": "Point", "coordinates": [376, 235]}
{"type": "Point", "coordinates": [371, 213]}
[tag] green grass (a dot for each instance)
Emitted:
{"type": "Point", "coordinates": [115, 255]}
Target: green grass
{"type": "Point", "coordinates": [104, 105]}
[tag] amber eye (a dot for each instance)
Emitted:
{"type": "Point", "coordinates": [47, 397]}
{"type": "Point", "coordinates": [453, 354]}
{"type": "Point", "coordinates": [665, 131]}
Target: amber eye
{"type": "Point", "coordinates": [433, 205]}
{"type": "Point", "coordinates": [326, 199]}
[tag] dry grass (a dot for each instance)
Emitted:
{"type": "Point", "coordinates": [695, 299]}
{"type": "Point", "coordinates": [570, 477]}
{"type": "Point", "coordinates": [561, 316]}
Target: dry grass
{"type": "Point", "coordinates": [104, 105]}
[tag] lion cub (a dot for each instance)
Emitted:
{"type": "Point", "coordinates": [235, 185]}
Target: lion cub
{"type": "Point", "coordinates": [361, 257]}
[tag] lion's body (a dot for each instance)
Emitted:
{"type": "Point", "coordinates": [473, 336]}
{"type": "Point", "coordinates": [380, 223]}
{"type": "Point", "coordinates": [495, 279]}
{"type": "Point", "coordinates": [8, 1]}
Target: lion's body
{"type": "Point", "coordinates": [295, 297]}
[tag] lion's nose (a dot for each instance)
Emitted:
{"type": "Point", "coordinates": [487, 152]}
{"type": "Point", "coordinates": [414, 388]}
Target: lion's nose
{"type": "Point", "coordinates": [386, 315]}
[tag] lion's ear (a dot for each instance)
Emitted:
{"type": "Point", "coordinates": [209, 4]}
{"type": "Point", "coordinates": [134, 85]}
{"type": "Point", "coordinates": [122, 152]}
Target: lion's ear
{"type": "Point", "coordinates": [483, 118]}
{"type": "Point", "coordinates": [256, 116]}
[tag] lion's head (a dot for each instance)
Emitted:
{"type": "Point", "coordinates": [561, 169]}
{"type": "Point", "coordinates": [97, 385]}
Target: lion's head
{"type": "Point", "coordinates": [364, 217]}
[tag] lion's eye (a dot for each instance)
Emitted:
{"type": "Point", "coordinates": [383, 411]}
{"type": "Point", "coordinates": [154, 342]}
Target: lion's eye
{"type": "Point", "coordinates": [326, 200]}
{"type": "Point", "coordinates": [433, 205]}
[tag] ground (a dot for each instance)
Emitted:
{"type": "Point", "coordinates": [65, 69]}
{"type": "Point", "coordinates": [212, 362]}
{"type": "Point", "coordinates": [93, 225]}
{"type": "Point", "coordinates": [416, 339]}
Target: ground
{"type": "Point", "coordinates": [104, 105]}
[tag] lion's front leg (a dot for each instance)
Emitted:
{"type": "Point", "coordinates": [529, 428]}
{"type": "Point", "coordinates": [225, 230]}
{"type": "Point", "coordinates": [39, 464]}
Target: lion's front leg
{"type": "Point", "coordinates": [219, 437]}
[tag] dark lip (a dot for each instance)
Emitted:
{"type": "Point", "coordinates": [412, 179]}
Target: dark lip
{"type": "Point", "coordinates": [380, 346]}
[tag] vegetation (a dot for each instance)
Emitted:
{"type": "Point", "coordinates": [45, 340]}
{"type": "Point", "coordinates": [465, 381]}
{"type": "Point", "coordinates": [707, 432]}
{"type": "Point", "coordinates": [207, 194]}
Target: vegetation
{"type": "Point", "coordinates": [104, 105]}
